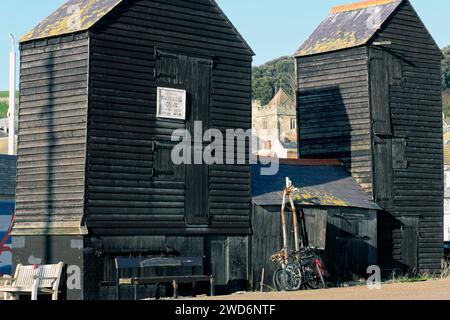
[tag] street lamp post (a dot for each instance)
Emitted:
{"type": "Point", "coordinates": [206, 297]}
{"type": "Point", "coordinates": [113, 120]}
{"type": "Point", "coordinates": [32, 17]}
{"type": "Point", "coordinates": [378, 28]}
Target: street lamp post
{"type": "Point", "coordinates": [12, 98]}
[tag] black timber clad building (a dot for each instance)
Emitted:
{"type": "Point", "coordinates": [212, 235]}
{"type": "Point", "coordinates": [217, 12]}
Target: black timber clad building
{"type": "Point", "coordinates": [95, 178]}
{"type": "Point", "coordinates": [340, 219]}
{"type": "Point", "coordinates": [7, 178]}
{"type": "Point", "coordinates": [369, 93]}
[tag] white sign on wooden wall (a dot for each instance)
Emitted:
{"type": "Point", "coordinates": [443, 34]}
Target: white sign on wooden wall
{"type": "Point", "coordinates": [171, 103]}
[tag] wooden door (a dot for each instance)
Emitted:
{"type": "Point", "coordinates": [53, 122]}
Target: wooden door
{"type": "Point", "coordinates": [380, 98]}
{"type": "Point", "coordinates": [410, 243]}
{"type": "Point", "coordinates": [192, 74]}
{"type": "Point", "coordinates": [383, 171]}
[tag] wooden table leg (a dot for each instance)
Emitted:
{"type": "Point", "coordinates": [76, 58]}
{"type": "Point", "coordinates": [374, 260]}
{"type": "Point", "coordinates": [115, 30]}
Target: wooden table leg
{"type": "Point", "coordinates": [194, 289]}
{"type": "Point", "coordinates": [175, 289]}
{"type": "Point", "coordinates": [212, 283]}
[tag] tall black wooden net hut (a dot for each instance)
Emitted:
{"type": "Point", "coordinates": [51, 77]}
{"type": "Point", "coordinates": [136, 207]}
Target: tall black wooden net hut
{"type": "Point", "coordinates": [95, 179]}
{"type": "Point", "coordinates": [369, 93]}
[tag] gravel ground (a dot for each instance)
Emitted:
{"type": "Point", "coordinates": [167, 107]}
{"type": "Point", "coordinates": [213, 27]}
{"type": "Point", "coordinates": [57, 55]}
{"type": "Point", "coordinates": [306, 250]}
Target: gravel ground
{"type": "Point", "coordinates": [429, 290]}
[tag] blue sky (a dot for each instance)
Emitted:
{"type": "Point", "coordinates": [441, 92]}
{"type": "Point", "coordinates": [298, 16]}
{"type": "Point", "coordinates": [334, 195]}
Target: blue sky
{"type": "Point", "coordinates": [272, 27]}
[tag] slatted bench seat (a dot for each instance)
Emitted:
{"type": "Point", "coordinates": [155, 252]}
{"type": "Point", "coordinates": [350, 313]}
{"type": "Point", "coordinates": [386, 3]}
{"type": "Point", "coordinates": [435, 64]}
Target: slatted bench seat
{"type": "Point", "coordinates": [34, 280]}
{"type": "Point", "coordinates": [160, 262]}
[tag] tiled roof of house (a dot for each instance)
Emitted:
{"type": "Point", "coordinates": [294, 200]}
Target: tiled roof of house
{"type": "Point", "coordinates": [281, 98]}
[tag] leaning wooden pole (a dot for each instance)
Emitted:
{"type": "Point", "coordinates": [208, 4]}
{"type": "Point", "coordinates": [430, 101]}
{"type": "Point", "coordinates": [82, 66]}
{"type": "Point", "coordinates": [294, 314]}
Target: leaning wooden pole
{"type": "Point", "coordinates": [295, 222]}
{"type": "Point", "coordinates": [284, 227]}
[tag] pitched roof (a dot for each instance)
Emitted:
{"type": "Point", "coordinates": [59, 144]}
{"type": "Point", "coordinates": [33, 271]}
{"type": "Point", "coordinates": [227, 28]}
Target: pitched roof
{"type": "Point", "coordinates": [320, 184]}
{"type": "Point", "coordinates": [65, 19]}
{"type": "Point", "coordinates": [280, 99]}
{"type": "Point", "coordinates": [349, 26]}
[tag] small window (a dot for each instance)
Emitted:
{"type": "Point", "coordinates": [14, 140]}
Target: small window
{"type": "Point", "coordinates": [293, 123]}
{"type": "Point", "coordinates": [447, 180]}
{"type": "Point", "coordinates": [399, 153]}
{"type": "Point", "coordinates": [264, 124]}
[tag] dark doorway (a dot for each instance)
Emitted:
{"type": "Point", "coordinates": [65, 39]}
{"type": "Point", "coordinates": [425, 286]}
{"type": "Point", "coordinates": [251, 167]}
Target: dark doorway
{"type": "Point", "coordinates": [410, 243]}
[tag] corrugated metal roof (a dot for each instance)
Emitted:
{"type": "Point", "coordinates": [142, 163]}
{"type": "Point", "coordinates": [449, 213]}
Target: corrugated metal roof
{"type": "Point", "coordinates": [349, 26]}
{"type": "Point", "coordinates": [319, 185]}
{"type": "Point", "coordinates": [72, 16]}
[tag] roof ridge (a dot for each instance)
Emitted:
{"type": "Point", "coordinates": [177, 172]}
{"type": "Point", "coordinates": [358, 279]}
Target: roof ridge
{"type": "Point", "coordinates": [360, 5]}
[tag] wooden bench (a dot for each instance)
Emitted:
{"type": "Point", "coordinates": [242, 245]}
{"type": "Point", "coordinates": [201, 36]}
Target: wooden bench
{"type": "Point", "coordinates": [34, 280]}
{"type": "Point", "coordinates": [160, 262]}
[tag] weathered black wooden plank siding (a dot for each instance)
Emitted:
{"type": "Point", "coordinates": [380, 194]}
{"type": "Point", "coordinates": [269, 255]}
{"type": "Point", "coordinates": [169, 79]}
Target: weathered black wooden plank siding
{"type": "Point", "coordinates": [52, 135]}
{"type": "Point", "coordinates": [123, 196]}
{"type": "Point", "coordinates": [416, 121]}
{"type": "Point", "coordinates": [333, 108]}
{"type": "Point", "coordinates": [8, 177]}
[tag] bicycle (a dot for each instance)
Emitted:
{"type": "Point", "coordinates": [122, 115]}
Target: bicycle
{"type": "Point", "coordinates": [305, 268]}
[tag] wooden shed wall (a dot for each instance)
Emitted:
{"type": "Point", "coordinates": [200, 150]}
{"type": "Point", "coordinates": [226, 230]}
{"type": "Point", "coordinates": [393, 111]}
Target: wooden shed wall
{"type": "Point", "coordinates": [351, 241]}
{"type": "Point", "coordinates": [413, 93]}
{"type": "Point", "coordinates": [333, 108]}
{"type": "Point", "coordinates": [122, 196]}
{"type": "Point", "coordinates": [52, 135]}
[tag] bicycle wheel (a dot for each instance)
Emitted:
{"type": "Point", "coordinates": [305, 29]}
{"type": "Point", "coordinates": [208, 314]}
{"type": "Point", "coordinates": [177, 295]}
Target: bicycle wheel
{"type": "Point", "coordinates": [278, 280]}
{"type": "Point", "coordinates": [314, 277]}
{"type": "Point", "coordinates": [289, 279]}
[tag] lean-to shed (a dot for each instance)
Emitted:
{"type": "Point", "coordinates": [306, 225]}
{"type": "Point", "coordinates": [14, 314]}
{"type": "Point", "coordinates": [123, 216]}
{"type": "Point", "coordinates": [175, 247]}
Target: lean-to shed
{"type": "Point", "coordinates": [103, 85]}
{"type": "Point", "coordinates": [369, 93]}
{"type": "Point", "coordinates": [340, 218]}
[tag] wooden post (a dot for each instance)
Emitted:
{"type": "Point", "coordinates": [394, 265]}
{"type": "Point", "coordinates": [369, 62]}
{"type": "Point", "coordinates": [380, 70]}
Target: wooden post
{"type": "Point", "coordinates": [295, 222]}
{"type": "Point", "coordinates": [194, 289]}
{"type": "Point", "coordinates": [283, 222]}
{"type": "Point", "coordinates": [212, 283]}
{"type": "Point", "coordinates": [175, 289]}
{"type": "Point", "coordinates": [262, 280]}
{"type": "Point", "coordinates": [117, 283]}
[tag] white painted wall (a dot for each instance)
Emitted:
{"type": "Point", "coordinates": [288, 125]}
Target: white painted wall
{"type": "Point", "coordinates": [447, 204]}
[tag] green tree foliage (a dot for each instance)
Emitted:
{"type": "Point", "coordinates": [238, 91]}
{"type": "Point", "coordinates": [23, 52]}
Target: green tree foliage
{"type": "Point", "coordinates": [446, 80]}
{"type": "Point", "coordinates": [446, 68]}
{"type": "Point", "coordinates": [4, 103]}
{"type": "Point", "coordinates": [269, 77]}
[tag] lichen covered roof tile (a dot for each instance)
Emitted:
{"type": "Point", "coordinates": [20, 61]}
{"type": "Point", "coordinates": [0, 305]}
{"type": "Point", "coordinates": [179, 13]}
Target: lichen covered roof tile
{"type": "Point", "coordinates": [72, 16]}
{"type": "Point", "coordinates": [349, 26]}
